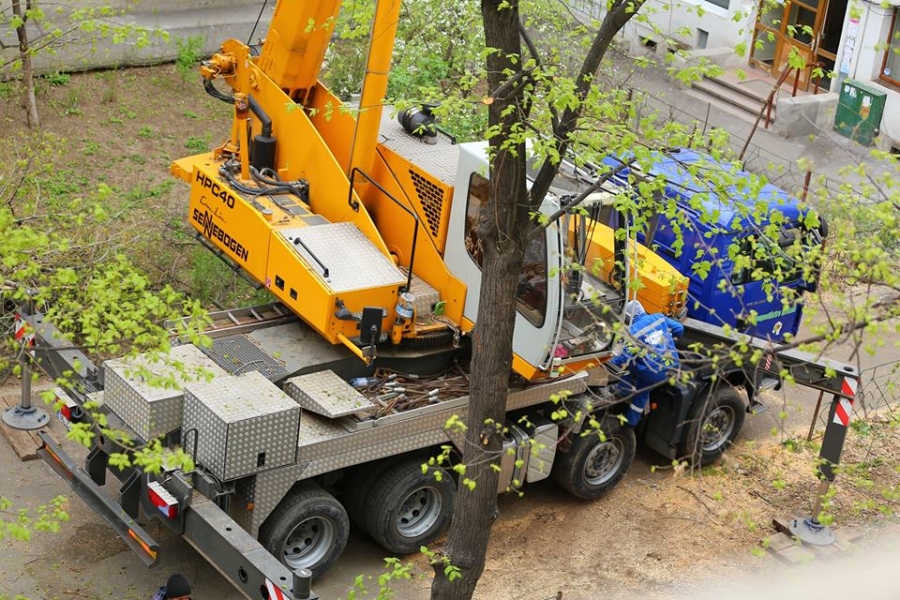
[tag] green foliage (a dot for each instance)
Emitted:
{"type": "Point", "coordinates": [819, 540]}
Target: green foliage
{"type": "Point", "coordinates": [59, 79]}
{"type": "Point", "coordinates": [124, 310]}
{"type": "Point", "coordinates": [431, 63]}
{"type": "Point", "coordinates": [96, 297]}
{"type": "Point", "coordinates": [70, 31]}
{"type": "Point", "coordinates": [451, 572]}
{"type": "Point", "coordinates": [190, 52]}
{"type": "Point", "coordinates": [212, 283]}
{"type": "Point", "coordinates": [19, 524]}
{"type": "Point", "coordinates": [382, 587]}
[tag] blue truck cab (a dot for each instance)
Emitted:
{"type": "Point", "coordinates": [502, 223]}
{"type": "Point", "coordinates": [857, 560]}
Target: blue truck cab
{"type": "Point", "coordinates": [724, 240]}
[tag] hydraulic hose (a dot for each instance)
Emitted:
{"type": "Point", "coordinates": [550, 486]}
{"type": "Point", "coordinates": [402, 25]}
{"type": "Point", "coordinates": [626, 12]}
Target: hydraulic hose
{"type": "Point", "coordinates": [264, 119]}
{"type": "Point", "coordinates": [212, 91]}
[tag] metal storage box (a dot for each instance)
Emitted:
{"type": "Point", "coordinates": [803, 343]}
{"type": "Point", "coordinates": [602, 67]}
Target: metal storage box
{"type": "Point", "coordinates": [149, 410]}
{"type": "Point", "coordinates": [246, 425]}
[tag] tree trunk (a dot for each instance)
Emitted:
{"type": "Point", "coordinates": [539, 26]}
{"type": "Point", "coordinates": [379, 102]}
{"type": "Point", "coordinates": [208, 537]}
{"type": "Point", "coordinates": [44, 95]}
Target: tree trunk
{"type": "Point", "coordinates": [31, 112]}
{"type": "Point", "coordinates": [502, 230]}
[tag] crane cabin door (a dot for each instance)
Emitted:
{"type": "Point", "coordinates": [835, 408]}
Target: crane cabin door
{"type": "Point", "coordinates": [538, 292]}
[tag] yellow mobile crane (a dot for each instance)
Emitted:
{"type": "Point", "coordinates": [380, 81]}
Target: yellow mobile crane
{"type": "Point", "coordinates": [336, 213]}
{"type": "Point", "coordinates": [322, 413]}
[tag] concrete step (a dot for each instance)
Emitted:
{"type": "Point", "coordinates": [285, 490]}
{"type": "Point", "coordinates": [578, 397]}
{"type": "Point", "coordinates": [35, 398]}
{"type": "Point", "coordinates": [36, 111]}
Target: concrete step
{"type": "Point", "coordinates": [745, 99]}
{"type": "Point", "coordinates": [726, 107]}
{"type": "Point", "coordinates": [751, 83]}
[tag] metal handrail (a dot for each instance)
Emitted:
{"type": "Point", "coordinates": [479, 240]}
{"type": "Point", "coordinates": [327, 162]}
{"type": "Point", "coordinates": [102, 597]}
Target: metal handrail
{"type": "Point", "coordinates": [412, 253]}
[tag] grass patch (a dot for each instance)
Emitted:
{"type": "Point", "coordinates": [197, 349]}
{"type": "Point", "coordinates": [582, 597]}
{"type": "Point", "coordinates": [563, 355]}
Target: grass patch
{"type": "Point", "coordinates": [154, 191]}
{"type": "Point", "coordinates": [58, 79]}
{"type": "Point", "coordinates": [197, 144]}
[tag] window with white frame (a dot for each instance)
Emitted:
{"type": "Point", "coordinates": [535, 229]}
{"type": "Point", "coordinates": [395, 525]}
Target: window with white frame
{"type": "Point", "coordinates": [890, 68]}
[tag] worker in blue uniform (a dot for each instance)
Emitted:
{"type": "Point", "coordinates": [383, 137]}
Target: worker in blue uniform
{"type": "Point", "coordinates": [648, 356]}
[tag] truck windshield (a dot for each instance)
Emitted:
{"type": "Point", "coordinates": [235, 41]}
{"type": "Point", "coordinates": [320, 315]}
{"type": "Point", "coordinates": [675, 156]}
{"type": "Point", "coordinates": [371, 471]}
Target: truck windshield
{"type": "Point", "coordinates": [783, 260]}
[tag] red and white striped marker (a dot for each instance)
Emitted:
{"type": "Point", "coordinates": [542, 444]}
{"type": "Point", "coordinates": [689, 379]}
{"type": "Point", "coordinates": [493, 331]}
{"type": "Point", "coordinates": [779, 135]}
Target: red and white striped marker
{"type": "Point", "coordinates": [273, 592]}
{"type": "Point", "coordinates": [844, 409]}
{"type": "Point", "coordinates": [24, 332]}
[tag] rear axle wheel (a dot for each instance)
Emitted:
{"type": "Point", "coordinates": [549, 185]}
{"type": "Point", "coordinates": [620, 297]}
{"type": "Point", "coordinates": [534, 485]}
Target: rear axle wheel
{"type": "Point", "coordinates": [406, 508]}
{"type": "Point", "coordinates": [308, 529]}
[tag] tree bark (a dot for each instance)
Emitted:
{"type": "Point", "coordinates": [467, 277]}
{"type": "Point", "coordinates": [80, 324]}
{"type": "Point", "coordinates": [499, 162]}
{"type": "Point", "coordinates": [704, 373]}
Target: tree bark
{"type": "Point", "coordinates": [31, 112]}
{"type": "Point", "coordinates": [502, 230]}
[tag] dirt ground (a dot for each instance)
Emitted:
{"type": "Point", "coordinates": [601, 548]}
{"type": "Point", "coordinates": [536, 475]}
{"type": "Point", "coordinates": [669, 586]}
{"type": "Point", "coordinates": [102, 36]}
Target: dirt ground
{"type": "Point", "coordinates": [663, 532]}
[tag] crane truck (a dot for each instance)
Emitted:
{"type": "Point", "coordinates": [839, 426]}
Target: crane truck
{"type": "Point", "coordinates": [319, 410]}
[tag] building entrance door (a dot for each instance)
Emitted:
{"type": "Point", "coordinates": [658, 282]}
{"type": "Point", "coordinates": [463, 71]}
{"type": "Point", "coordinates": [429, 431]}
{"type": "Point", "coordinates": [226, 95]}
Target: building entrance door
{"type": "Point", "coordinates": [784, 29]}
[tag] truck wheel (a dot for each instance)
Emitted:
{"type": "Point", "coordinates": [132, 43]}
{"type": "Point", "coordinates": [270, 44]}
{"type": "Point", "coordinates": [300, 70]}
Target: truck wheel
{"type": "Point", "coordinates": [714, 422]}
{"type": "Point", "coordinates": [593, 467]}
{"type": "Point", "coordinates": [407, 509]}
{"type": "Point", "coordinates": [358, 488]}
{"type": "Point", "coordinates": [308, 529]}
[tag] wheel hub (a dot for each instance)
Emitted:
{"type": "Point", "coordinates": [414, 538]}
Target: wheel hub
{"type": "Point", "coordinates": [603, 461]}
{"type": "Point", "coordinates": [419, 512]}
{"type": "Point", "coordinates": [717, 428]}
{"type": "Point", "coordinates": [308, 543]}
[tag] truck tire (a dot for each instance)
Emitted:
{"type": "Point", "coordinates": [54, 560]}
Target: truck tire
{"type": "Point", "coordinates": [714, 422]}
{"type": "Point", "coordinates": [592, 467]}
{"type": "Point", "coordinates": [407, 509]}
{"type": "Point", "coordinates": [308, 529]}
{"type": "Point", "coordinates": [357, 488]}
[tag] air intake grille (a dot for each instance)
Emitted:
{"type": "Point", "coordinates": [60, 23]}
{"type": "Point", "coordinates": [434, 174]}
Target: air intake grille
{"type": "Point", "coordinates": [431, 197]}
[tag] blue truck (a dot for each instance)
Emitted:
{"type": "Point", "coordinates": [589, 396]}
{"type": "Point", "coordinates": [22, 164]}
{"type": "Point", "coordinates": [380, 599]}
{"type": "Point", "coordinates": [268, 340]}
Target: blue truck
{"type": "Point", "coordinates": [728, 232]}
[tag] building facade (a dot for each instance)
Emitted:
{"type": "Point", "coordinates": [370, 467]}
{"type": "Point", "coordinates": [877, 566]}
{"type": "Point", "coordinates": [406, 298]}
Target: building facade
{"type": "Point", "coordinates": [855, 39]}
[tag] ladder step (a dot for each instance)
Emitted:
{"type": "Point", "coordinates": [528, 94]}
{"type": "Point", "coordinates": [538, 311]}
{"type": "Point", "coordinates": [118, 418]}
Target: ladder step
{"type": "Point", "coordinates": [756, 407]}
{"type": "Point", "coordinates": [769, 383]}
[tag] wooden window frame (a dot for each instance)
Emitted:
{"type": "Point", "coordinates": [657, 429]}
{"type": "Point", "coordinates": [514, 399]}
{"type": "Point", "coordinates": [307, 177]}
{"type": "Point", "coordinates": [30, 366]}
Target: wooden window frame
{"type": "Point", "coordinates": [892, 42]}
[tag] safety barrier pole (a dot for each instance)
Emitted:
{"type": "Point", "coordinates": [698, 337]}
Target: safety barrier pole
{"type": "Point", "coordinates": [811, 530]}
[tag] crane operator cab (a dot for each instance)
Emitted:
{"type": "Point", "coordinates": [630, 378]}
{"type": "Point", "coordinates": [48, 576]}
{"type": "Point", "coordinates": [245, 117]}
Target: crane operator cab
{"type": "Point", "coordinates": [571, 290]}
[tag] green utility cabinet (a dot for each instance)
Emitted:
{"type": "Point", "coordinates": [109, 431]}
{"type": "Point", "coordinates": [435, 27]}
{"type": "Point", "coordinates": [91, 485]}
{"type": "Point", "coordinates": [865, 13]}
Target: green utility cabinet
{"type": "Point", "coordinates": [859, 111]}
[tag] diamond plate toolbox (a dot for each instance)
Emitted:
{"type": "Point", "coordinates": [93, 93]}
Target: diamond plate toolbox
{"type": "Point", "coordinates": [149, 410]}
{"type": "Point", "coordinates": [245, 425]}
